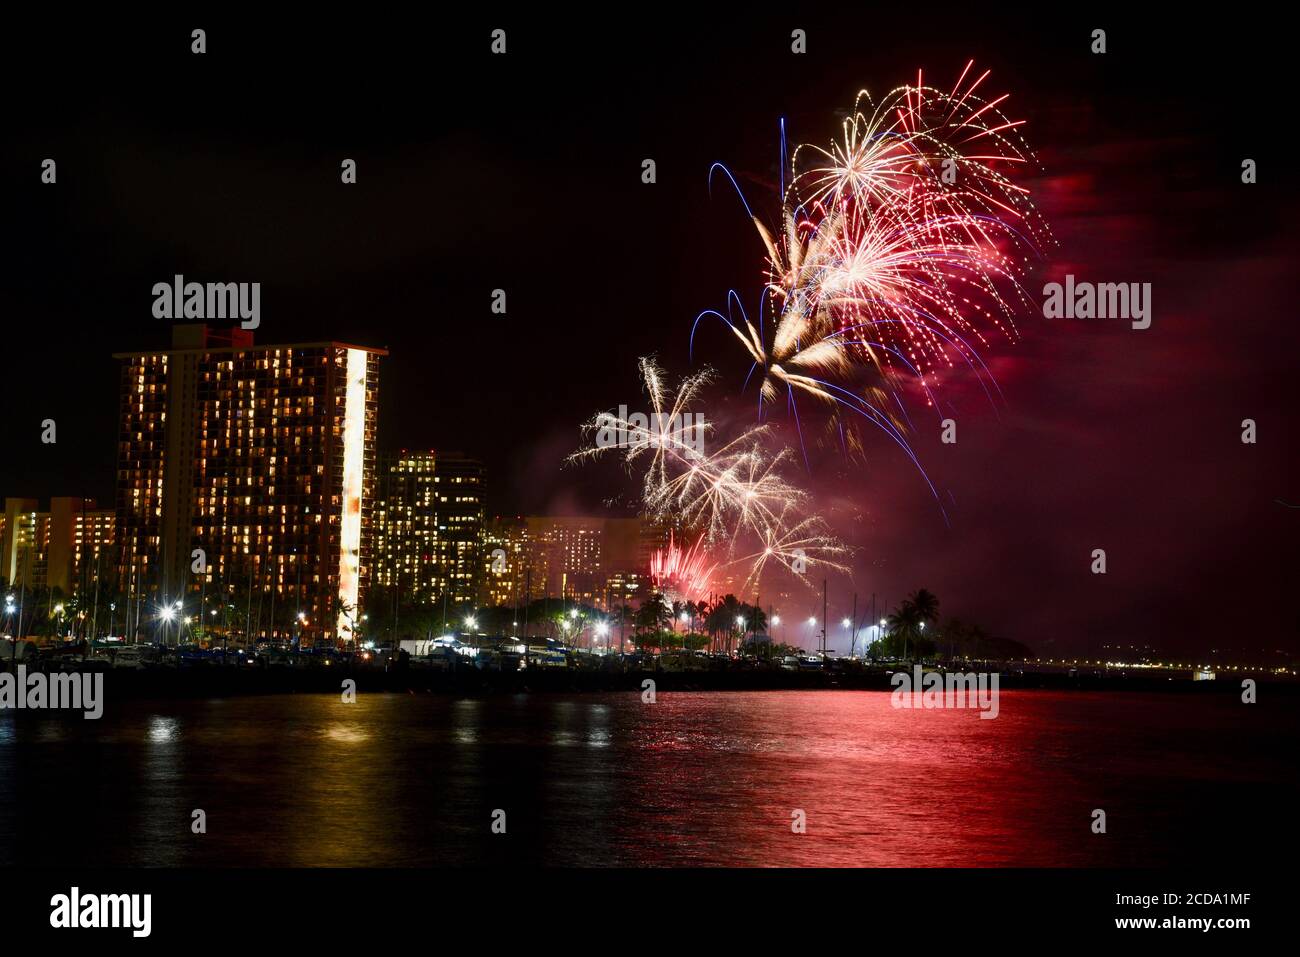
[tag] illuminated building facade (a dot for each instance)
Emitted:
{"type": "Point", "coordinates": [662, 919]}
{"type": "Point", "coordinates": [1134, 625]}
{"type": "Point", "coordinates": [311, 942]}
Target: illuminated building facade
{"type": "Point", "coordinates": [460, 482]}
{"type": "Point", "coordinates": [70, 546]}
{"type": "Point", "coordinates": [430, 531]}
{"type": "Point", "coordinates": [83, 544]}
{"type": "Point", "coordinates": [406, 527]}
{"type": "Point", "coordinates": [627, 588]}
{"type": "Point", "coordinates": [24, 548]}
{"type": "Point", "coordinates": [590, 559]}
{"type": "Point", "coordinates": [573, 557]}
{"type": "Point", "coordinates": [256, 461]}
{"type": "Point", "coordinates": [506, 553]}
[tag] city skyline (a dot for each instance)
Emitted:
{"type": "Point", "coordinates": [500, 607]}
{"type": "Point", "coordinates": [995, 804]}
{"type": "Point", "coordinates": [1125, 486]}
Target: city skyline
{"type": "Point", "coordinates": [694, 443]}
{"type": "Point", "coordinates": [1107, 437]}
{"type": "Point", "coordinates": [230, 454]}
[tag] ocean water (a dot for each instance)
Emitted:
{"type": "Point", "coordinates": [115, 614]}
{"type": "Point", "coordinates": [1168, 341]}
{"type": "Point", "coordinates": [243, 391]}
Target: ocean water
{"type": "Point", "coordinates": [694, 779]}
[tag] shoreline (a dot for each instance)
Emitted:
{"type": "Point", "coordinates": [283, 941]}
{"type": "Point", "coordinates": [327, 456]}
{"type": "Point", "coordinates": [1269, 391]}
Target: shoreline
{"type": "Point", "coordinates": [216, 682]}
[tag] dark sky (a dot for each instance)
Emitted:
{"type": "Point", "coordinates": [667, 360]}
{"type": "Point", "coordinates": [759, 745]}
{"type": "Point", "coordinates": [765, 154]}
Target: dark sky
{"type": "Point", "coordinates": [522, 172]}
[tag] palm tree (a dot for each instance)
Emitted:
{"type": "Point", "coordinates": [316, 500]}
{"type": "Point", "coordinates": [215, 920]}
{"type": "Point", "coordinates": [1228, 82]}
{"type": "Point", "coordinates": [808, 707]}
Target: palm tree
{"type": "Point", "coordinates": [622, 615]}
{"type": "Point", "coordinates": [698, 610]}
{"type": "Point", "coordinates": [731, 609]}
{"type": "Point", "coordinates": [337, 605]}
{"type": "Point", "coordinates": [655, 613]}
{"type": "Point", "coordinates": [926, 604]}
{"type": "Point", "coordinates": [715, 619]}
{"type": "Point", "coordinates": [905, 622]}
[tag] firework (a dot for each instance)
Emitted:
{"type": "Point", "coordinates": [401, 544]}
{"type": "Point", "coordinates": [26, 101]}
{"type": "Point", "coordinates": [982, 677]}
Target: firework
{"type": "Point", "coordinates": [662, 442]}
{"type": "Point", "coordinates": [734, 497]}
{"type": "Point", "coordinates": [737, 488]}
{"type": "Point", "coordinates": [801, 545]}
{"type": "Point", "coordinates": [901, 253]}
{"type": "Point", "coordinates": [719, 491]}
{"type": "Point", "coordinates": [679, 572]}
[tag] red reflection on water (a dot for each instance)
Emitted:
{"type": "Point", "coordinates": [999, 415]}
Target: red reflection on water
{"type": "Point", "coordinates": [887, 787]}
{"type": "Point", "coordinates": [707, 779]}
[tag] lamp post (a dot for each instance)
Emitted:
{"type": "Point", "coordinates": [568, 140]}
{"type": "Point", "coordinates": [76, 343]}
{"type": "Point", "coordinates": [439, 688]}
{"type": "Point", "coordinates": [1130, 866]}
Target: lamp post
{"type": "Point", "coordinates": [165, 615]}
{"type": "Point", "coordinates": [9, 614]}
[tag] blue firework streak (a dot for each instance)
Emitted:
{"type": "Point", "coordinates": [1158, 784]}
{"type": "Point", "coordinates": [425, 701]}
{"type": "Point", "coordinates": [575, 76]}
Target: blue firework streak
{"type": "Point", "coordinates": [899, 256]}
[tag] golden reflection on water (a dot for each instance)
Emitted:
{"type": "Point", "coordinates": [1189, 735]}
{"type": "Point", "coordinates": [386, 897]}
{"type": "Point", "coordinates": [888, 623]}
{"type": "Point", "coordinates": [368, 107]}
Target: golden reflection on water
{"type": "Point", "coordinates": [702, 779]}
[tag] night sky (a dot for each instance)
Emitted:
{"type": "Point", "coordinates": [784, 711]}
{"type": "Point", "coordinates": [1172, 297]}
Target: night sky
{"type": "Point", "coordinates": [523, 172]}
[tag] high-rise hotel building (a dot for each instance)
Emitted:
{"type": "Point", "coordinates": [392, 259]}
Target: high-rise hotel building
{"type": "Point", "coordinates": [263, 458]}
{"type": "Point", "coordinates": [461, 482]}
{"type": "Point", "coordinates": [70, 546]}
{"type": "Point", "coordinates": [590, 559]}
{"type": "Point", "coordinates": [406, 528]}
{"type": "Point", "coordinates": [429, 523]}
